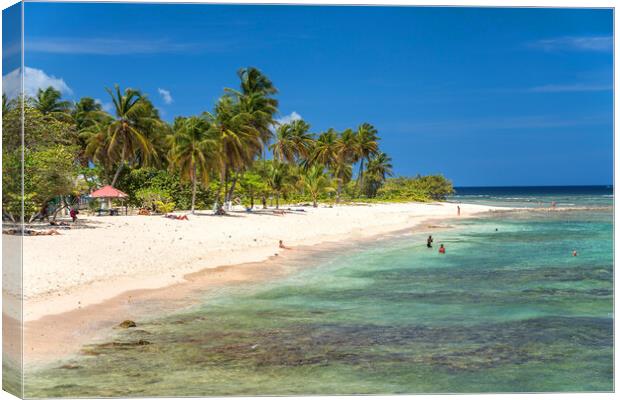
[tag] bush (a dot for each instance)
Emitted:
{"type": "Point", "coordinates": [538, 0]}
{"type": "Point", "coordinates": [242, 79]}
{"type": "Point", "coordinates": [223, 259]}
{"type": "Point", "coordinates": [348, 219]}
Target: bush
{"type": "Point", "coordinates": [420, 188]}
{"type": "Point", "coordinates": [133, 181]}
{"type": "Point", "coordinates": [164, 207]}
{"type": "Point", "coordinates": [150, 197]}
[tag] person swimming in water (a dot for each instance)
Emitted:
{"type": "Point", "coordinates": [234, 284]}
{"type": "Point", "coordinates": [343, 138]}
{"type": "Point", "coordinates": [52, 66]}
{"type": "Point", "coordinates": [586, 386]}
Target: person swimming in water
{"type": "Point", "coordinates": [442, 249]}
{"type": "Point", "coordinates": [574, 253]}
{"type": "Point", "coordinates": [429, 242]}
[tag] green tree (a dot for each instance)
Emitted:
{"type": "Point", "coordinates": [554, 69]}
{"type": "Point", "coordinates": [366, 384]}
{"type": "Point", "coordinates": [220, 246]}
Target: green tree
{"type": "Point", "coordinates": [378, 169]}
{"type": "Point", "coordinates": [256, 98]}
{"type": "Point", "coordinates": [278, 178]}
{"type": "Point", "coordinates": [48, 102]}
{"type": "Point", "coordinates": [367, 146]}
{"type": "Point", "coordinates": [293, 142]}
{"type": "Point", "coordinates": [325, 150]}
{"type": "Point", "coordinates": [238, 139]}
{"type": "Point", "coordinates": [347, 153]}
{"type": "Point", "coordinates": [49, 154]}
{"type": "Point", "coordinates": [126, 136]}
{"type": "Point", "coordinates": [253, 184]}
{"type": "Point", "coordinates": [193, 152]}
{"type": "Point", "coordinates": [316, 183]}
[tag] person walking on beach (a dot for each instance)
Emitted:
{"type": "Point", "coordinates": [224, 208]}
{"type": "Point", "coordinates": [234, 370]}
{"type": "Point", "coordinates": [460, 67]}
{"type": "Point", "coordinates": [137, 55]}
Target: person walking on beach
{"type": "Point", "coordinates": [458, 210]}
{"type": "Point", "coordinates": [442, 250]}
{"type": "Point", "coordinates": [73, 213]}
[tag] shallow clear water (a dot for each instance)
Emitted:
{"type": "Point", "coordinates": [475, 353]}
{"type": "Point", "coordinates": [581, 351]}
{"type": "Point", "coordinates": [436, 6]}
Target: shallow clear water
{"type": "Point", "coordinates": [507, 309]}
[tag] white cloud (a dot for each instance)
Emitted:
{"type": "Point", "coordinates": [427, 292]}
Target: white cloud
{"type": "Point", "coordinates": [165, 95]}
{"type": "Point", "coordinates": [579, 43]}
{"type": "Point", "coordinates": [112, 47]}
{"type": "Point", "coordinates": [34, 79]}
{"type": "Point", "coordinates": [577, 87]}
{"type": "Point", "coordinates": [287, 119]}
{"type": "Point", "coordinates": [107, 107]}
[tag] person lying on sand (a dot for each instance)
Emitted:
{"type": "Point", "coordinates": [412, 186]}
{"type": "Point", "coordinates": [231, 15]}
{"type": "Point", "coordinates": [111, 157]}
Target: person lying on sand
{"type": "Point", "coordinates": [49, 232]}
{"type": "Point", "coordinates": [282, 246]}
{"type": "Point", "coordinates": [61, 223]}
{"type": "Point", "coordinates": [178, 217]}
{"type": "Point", "coordinates": [278, 212]}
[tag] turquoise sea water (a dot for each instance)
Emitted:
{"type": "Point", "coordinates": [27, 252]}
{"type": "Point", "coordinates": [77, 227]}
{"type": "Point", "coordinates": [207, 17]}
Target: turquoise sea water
{"type": "Point", "coordinates": [507, 309]}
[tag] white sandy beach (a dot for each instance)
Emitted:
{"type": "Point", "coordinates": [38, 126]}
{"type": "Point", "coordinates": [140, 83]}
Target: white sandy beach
{"type": "Point", "coordinates": [86, 266]}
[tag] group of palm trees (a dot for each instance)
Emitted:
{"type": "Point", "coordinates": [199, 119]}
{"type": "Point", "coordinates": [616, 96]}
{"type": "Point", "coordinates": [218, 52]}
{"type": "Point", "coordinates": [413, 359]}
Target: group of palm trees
{"type": "Point", "coordinates": [223, 144]}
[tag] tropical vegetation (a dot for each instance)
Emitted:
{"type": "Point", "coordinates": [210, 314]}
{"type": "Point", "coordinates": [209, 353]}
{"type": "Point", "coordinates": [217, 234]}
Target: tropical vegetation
{"type": "Point", "coordinates": [237, 152]}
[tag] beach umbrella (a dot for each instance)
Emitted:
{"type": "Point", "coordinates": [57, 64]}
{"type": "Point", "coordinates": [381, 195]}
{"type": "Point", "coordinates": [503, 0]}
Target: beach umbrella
{"type": "Point", "coordinates": [108, 192]}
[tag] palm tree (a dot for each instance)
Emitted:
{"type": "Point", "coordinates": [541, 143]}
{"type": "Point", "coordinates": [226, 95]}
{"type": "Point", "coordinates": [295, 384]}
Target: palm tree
{"type": "Point", "coordinates": [325, 151]}
{"type": "Point", "coordinates": [192, 151]}
{"type": "Point", "coordinates": [85, 112]}
{"type": "Point", "coordinates": [377, 171]}
{"type": "Point", "coordinates": [87, 116]}
{"type": "Point", "coordinates": [293, 141]}
{"type": "Point", "coordinates": [316, 182]}
{"type": "Point", "coordinates": [7, 105]}
{"type": "Point", "coordinates": [239, 141]}
{"type": "Point", "coordinates": [127, 135]}
{"type": "Point", "coordinates": [277, 179]}
{"type": "Point", "coordinates": [347, 152]}
{"type": "Point", "coordinates": [254, 81]}
{"type": "Point", "coordinates": [256, 98]}
{"type": "Point", "coordinates": [367, 146]}
{"type": "Point", "coordinates": [48, 103]}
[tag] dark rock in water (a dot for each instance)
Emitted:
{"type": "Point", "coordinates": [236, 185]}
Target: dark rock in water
{"type": "Point", "coordinates": [69, 366]}
{"type": "Point", "coordinates": [101, 348]}
{"type": "Point", "coordinates": [127, 324]}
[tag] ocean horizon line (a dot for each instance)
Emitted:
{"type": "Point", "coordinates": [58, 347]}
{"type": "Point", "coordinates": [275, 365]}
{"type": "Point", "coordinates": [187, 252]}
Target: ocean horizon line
{"type": "Point", "coordinates": [533, 186]}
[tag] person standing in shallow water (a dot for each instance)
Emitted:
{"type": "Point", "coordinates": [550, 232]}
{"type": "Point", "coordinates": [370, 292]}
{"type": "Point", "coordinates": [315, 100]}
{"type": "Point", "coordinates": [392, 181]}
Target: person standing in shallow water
{"type": "Point", "coordinates": [429, 242]}
{"type": "Point", "coordinates": [442, 250]}
{"type": "Point", "coordinates": [458, 210]}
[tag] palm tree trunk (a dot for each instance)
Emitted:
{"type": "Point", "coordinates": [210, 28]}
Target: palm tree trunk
{"type": "Point", "coordinates": [194, 190]}
{"type": "Point", "coordinates": [225, 186]}
{"type": "Point", "coordinates": [277, 200]}
{"type": "Point", "coordinates": [219, 189]}
{"type": "Point", "coordinates": [338, 190]}
{"type": "Point", "coordinates": [232, 188]}
{"type": "Point", "coordinates": [120, 167]}
{"type": "Point", "coordinates": [360, 175]}
{"type": "Point", "coordinates": [118, 172]}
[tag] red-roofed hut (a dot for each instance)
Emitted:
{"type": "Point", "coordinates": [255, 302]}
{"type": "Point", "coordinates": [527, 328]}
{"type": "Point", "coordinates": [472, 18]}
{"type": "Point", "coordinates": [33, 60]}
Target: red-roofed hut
{"type": "Point", "coordinates": [109, 192]}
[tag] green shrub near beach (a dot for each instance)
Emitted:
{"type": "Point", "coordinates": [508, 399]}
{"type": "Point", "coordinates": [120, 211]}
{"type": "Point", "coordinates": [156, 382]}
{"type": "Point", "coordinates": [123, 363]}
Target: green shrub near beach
{"type": "Point", "coordinates": [420, 188]}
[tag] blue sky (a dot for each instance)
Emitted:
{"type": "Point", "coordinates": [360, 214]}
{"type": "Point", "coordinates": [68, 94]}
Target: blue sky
{"type": "Point", "coordinates": [492, 96]}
